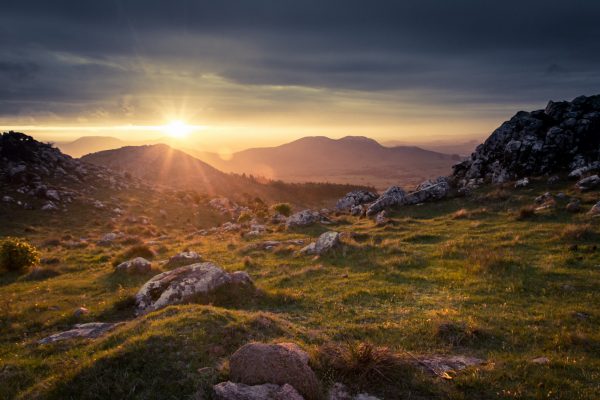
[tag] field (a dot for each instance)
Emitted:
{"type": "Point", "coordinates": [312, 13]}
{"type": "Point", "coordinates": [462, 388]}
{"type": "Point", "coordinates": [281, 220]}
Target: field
{"type": "Point", "coordinates": [478, 276]}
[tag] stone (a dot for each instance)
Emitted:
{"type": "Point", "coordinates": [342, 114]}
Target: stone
{"type": "Point", "coordinates": [573, 206]}
{"type": "Point", "coordinates": [442, 365]}
{"type": "Point", "coordinates": [382, 218]}
{"type": "Point", "coordinates": [184, 284]}
{"type": "Point", "coordinates": [80, 311]}
{"type": "Point", "coordinates": [339, 391]}
{"type": "Point", "coordinates": [589, 183]}
{"type": "Point", "coordinates": [49, 206]}
{"type": "Point", "coordinates": [430, 190]}
{"type": "Point", "coordinates": [8, 199]}
{"type": "Point", "coordinates": [303, 218]}
{"type": "Point", "coordinates": [541, 360]}
{"type": "Point", "coordinates": [268, 391]}
{"type": "Point", "coordinates": [358, 210]}
{"type": "Point", "coordinates": [138, 265]}
{"type": "Point", "coordinates": [354, 199]}
{"type": "Point", "coordinates": [52, 194]}
{"type": "Point", "coordinates": [325, 243]}
{"type": "Point", "coordinates": [553, 180]}
{"type": "Point", "coordinates": [81, 331]}
{"type": "Point", "coordinates": [595, 210]}
{"type": "Point", "coordinates": [183, 258]}
{"type": "Point", "coordinates": [393, 196]}
{"type": "Point", "coordinates": [260, 363]}
{"type": "Point", "coordinates": [521, 183]}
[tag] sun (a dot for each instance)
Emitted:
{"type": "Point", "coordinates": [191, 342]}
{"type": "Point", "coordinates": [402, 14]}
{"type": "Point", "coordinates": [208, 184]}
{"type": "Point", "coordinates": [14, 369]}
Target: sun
{"type": "Point", "coordinates": [177, 129]}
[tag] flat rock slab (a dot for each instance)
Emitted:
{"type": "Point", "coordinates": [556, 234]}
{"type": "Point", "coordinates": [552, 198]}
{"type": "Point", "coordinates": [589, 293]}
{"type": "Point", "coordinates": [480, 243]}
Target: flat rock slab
{"type": "Point", "coordinates": [184, 283]}
{"type": "Point", "coordinates": [90, 330]}
{"type": "Point", "coordinates": [268, 391]}
{"type": "Point", "coordinates": [442, 365]}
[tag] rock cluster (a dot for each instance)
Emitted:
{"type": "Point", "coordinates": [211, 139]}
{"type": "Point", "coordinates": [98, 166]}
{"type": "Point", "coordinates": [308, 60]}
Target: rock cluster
{"type": "Point", "coordinates": [304, 218]}
{"type": "Point", "coordinates": [563, 137]}
{"type": "Point", "coordinates": [355, 198]}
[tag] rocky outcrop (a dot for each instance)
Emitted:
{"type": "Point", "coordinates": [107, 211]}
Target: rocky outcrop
{"type": "Point", "coordinates": [325, 243]}
{"type": "Point", "coordinates": [267, 391]}
{"type": "Point", "coordinates": [355, 198]}
{"type": "Point", "coordinates": [184, 284]}
{"type": "Point", "coordinates": [81, 331]}
{"type": "Point", "coordinates": [562, 138]}
{"type": "Point", "coordinates": [260, 363]}
{"type": "Point", "coordinates": [430, 190]}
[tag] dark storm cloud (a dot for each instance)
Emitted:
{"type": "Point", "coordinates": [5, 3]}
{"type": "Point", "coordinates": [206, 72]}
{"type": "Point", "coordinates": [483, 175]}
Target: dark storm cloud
{"type": "Point", "coordinates": [81, 52]}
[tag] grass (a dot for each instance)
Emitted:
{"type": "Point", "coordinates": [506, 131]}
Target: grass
{"type": "Point", "coordinates": [461, 276]}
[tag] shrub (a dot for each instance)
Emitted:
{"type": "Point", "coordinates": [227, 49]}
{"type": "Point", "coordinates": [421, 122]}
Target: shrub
{"type": "Point", "coordinates": [283, 209]}
{"type": "Point", "coordinates": [245, 217]}
{"type": "Point", "coordinates": [17, 254]}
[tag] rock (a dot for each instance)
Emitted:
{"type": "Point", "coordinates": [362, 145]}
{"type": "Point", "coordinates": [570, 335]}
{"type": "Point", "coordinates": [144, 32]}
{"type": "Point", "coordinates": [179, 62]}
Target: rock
{"type": "Point", "coordinates": [392, 197]}
{"type": "Point", "coordinates": [441, 365]}
{"type": "Point", "coordinates": [339, 391]}
{"type": "Point", "coordinates": [49, 206]}
{"type": "Point", "coordinates": [183, 284]}
{"type": "Point", "coordinates": [553, 180]}
{"type": "Point", "coordinates": [80, 311]}
{"type": "Point", "coordinates": [573, 206]}
{"type": "Point", "coordinates": [52, 194]}
{"type": "Point", "coordinates": [355, 198]}
{"type": "Point", "coordinates": [184, 258]}
{"type": "Point", "coordinates": [561, 137]}
{"type": "Point", "coordinates": [267, 391]}
{"type": "Point", "coordinates": [138, 265]}
{"type": "Point", "coordinates": [589, 183]}
{"type": "Point", "coordinates": [430, 190]}
{"type": "Point", "coordinates": [8, 199]}
{"type": "Point", "coordinates": [260, 363]}
{"type": "Point", "coordinates": [541, 360]}
{"type": "Point", "coordinates": [231, 227]}
{"type": "Point", "coordinates": [595, 210]}
{"type": "Point", "coordinates": [85, 331]}
{"type": "Point", "coordinates": [303, 218]}
{"type": "Point", "coordinates": [358, 210]}
{"type": "Point", "coordinates": [544, 198]}
{"type": "Point", "coordinates": [326, 242]}
{"type": "Point", "coordinates": [382, 218]}
{"type": "Point", "coordinates": [521, 183]}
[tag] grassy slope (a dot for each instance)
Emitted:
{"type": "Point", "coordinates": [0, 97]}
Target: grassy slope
{"type": "Point", "coordinates": [516, 284]}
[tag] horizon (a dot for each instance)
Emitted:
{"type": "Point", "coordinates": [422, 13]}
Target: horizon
{"type": "Point", "coordinates": [239, 75]}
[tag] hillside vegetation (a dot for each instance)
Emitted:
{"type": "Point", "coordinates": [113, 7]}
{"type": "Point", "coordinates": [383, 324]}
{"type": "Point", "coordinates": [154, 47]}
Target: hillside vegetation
{"type": "Point", "coordinates": [473, 276]}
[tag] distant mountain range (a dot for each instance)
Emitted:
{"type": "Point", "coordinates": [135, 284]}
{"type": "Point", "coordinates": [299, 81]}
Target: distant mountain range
{"type": "Point", "coordinates": [163, 165]}
{"type": "Point", "coordinates": [352, 159]}
{"type": "Point", "coordinates": [442, 146]}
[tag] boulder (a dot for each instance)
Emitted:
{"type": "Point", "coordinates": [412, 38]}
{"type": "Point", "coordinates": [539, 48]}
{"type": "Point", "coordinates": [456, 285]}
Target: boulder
{"type": "Point", "coordinates": [589, 183]}
{"type": "Point", "coordinates": [260, 363]}
{"type": "Point", "coordinates": [382, 218]}
{"type": "Point", "coordinates": [595, 210]}
{"type": "Point", "coordinates": [430, 190]}
{"type": "Point", "coordinates": [355, 198]}
{"type": "Point", "coordinates": [392, 197]}
{"type": "Point", "coordinates": [521, 183]}
{"type": "Point", "coordinates": [358, 210]}
{"type": "Point", "coordinates": [183, 258]}
{"type": "Point", "coordinates": [303, 218]}
{"type": "Point", "coordinates": [326, 242]}
{"type": "Point", "coordinates": [138, 265]}
{"type": "Point", "coordinates": [49, 206]}
{"type": "Point", "coordinates": [573, 206]}
{"type": "Point", "coordinates": [82, 331]}
{"type": "Point", "coordinates": [183, 284]}
{"type": "Point", "coordinates": [267, 391]}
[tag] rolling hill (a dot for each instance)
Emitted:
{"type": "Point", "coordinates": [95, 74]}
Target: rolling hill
{"type": "Point", "coordinates": [163, 165]}
{"type": "Point", "coordinates": [352, 159]}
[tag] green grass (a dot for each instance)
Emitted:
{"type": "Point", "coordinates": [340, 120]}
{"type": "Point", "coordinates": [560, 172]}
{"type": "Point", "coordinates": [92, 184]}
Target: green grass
{"type": "Point", "coordinates": [482, 283]}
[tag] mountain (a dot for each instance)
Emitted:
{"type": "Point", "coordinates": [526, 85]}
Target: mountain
{"type": "Point", "coordinates": [90, 144]}
{"type": "Point", "coordinates": [441, 146]}
{"type": "Point", "coordinates": [352, 159]}
{"type": "Point", "coordinates": [163, 165]}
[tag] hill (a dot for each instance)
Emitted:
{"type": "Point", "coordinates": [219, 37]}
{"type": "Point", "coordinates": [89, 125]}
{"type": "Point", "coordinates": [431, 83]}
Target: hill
{"type": "Point", "coordinates": [163, 165]}
{"type": "Point", "coordinates": [352, 159]}
{"type": "Point", "coordinates": [90, 144]}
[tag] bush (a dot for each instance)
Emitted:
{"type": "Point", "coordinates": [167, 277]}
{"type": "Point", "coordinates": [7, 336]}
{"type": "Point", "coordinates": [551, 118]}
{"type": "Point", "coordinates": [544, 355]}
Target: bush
{"type": "Point", "coordinates": [283, 209]}
{"type": "Point", "coordinates": [17, 254]}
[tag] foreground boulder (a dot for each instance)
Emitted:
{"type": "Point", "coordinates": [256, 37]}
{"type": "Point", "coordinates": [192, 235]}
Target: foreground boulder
{"type": "Point", "coordinates": [326, 242]}
{"type": "Point", "coordinates": [81, 331]}
{"type": "Point", "coordinates": [183, 284]}
{"type": "Point", "coordinates": [184, 258]}
{"type": "Point", "coordinates": [562, 138]}
{"type": "Point", "coordinates": [138, 265]}
{"type": "Point", "coordinates": [303, 218]}
{"type": "Point", "coordinates": [267, 391]}
{"type": "Point", "coordinates": [355, 198]}
{"type": "Point", "coordinates": [392, 197]}
{"type": "Point", "coordinates": [260, 363]}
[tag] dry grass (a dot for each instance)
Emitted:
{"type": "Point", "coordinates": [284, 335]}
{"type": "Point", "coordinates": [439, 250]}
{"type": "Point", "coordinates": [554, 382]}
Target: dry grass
{"type": "Point", "coordinates": [463, 213]}
{"type": "Point", "coordinates": [490, 260]}
{"type": "Point", "coordinates": [525, 212]}
{"type": "Point", "coordinates": [578, 232]}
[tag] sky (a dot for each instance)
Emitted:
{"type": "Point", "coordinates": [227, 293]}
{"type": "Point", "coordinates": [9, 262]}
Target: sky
{"type": "Point", "coordinates": [262, 72]}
